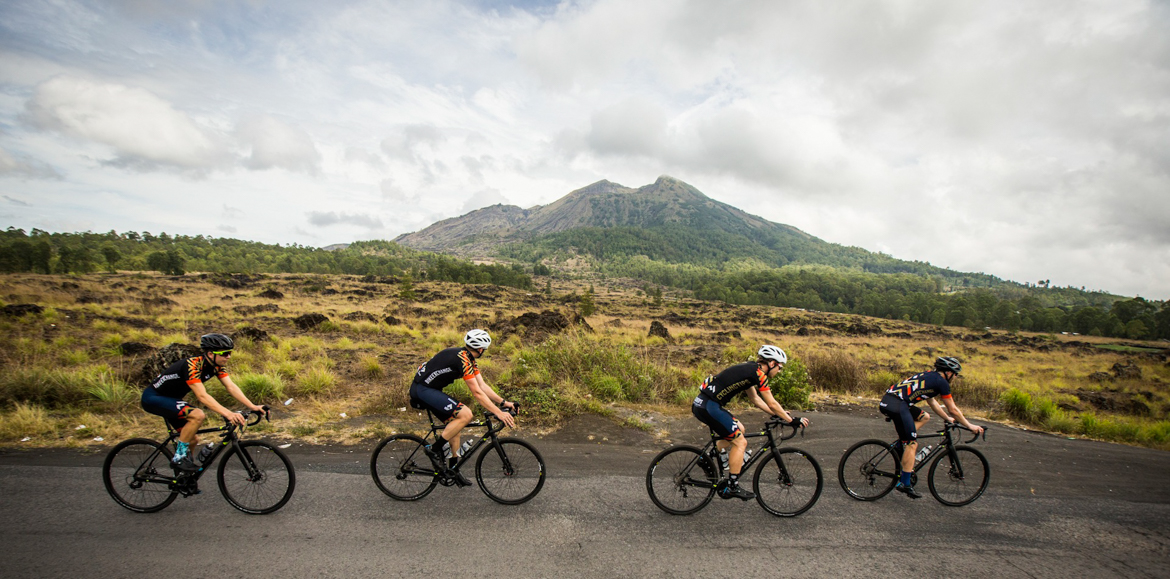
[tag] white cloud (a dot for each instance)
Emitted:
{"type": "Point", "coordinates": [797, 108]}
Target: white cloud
{"type": "Point", "coordinates": [142, 129]}
{"type": "Point", "coordinates": [327, 218]}
{"type": "Point", "coordinates": [1027, 140]}
{"type": "Point", "coordinates": [484, 198]}
{"type": "Point", "coordinates": [275, 144]}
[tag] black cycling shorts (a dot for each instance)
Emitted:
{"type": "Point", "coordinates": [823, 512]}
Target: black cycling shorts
{"type": "Point", "coordinates": [902, 415]}
{"type": "Point", "coordinates": [435, 400]}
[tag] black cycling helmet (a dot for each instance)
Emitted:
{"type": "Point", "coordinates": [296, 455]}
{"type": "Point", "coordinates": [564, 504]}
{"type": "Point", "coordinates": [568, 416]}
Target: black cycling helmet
{"type": "Point", "coordinates": [216, 342]}
{"type": "Point", "coordinates": [948, 364]}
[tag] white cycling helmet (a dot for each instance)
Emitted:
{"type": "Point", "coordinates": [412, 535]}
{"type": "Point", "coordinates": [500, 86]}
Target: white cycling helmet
{"type": "Point", "coordinates": [477, 339]}
{"type": "Point", "coordinates": [768, 352]}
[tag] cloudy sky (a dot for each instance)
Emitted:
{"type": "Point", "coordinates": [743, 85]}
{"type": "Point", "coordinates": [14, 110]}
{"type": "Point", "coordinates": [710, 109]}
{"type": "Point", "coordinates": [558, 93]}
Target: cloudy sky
{"type": "Point", "coordinates": [1029, 140]}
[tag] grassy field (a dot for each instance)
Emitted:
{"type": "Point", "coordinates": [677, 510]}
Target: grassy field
{"type": "Point", "coordinates": [71, 371]}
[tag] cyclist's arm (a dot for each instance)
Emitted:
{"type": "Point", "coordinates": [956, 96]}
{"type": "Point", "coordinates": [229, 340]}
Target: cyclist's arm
{"type": "Point", "coordinates": [938, 409]}
{"type": "Point", "coordinates": [209, 402]}
{"type": "Point", "coordinates": [488, 398]}
{"type": "Point", "coordinates": [774, 408]}
{"type": "Point", "coordinates": [239, 394]}
{"type": "Point", "coordinates": [958, 414]}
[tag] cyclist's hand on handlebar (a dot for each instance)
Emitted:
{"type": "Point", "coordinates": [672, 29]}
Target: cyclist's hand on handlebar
{"type": "Point", "coordinates": [235, 418]}
{"type": "Point", "coordinates": [798, 421]}
{"type": "Point", "coordinates": [506, 418]}
{"type": "Point", "coordinates": [976, 429]}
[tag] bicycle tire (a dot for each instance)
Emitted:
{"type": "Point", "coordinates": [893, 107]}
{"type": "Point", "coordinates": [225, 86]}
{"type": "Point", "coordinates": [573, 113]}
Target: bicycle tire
{"type": "Point", "coordinates": [672, 483]}
{"type": "Point", "coordinates": [868, 470]}
{"type": "Point", "coordinates": [132, 482]}
{"type": "Point", "coordinates": [952, 488]}
{"type": "Point", "coordinates": [256, 477]}
{"type": "Point", "coordinates": [510, 471]}
{"type": "Point", "coordinates": [792, 490]}
{"type": "Point", "coordinates": [401, 468]}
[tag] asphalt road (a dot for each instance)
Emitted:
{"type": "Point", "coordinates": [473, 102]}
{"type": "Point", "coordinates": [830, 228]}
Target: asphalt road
{"type": "Point", "coordinates": [1054, 508]}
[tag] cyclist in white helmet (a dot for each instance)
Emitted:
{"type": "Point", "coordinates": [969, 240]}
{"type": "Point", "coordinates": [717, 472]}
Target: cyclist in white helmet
{"type": "Point", "coordinates": [438, 373]}
{"type": "Point", "coordinates": [717, 390]}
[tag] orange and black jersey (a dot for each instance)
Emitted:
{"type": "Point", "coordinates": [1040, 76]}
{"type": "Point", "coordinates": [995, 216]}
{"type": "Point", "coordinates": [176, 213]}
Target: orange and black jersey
{"type": "Point", "coordinates": [726, 384]}
{"type": "Point", "coordinates": [445, 367]}
{"type": "Point", "coordinates": [919, 387]}
{"type": "Point", "coordinates": [176, 380]}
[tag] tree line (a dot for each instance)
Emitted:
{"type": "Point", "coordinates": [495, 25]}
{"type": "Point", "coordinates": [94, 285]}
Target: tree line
{"type": "Point", "coordinates": [42, 252]}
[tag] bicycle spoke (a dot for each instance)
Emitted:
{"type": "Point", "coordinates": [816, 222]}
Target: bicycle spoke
{"type": "Point", "coordinates": [868, 470]}
{"type": "Point", "coordinates": [510, 471]}
{"type": "Point", "coordinates": [401, 469]}
{"type": "Point", "coordinates": [790, 486]}
{"type": "Point", "coordinates": [256, 478]}
{"type": "Point", "coordinates": [960, 478]}
{"type": "Point", "coordinates": [680, 481]}
{"type": "Point", "coordinates": [137, 473]}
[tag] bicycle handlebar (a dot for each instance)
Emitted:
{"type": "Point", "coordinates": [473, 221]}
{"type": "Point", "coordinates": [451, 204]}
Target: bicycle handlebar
{"type": "Point", "coordinates": [775, 421]}
{"type": "Point", "coordinates": [958, 426]}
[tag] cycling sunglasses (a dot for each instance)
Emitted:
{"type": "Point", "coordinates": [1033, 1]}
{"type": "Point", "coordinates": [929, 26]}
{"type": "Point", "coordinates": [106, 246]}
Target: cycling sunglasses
{"type": "Point", "coordinates": [224, 353]}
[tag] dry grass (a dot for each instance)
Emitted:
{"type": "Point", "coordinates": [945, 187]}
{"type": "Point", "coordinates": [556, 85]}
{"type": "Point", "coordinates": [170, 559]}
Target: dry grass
{"type": "Point", "coordinates": [362, 368]}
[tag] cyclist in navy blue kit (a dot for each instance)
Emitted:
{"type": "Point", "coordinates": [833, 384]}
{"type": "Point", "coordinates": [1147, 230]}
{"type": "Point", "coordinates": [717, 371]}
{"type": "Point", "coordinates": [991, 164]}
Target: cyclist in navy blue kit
{"type": "Point", "coordinates": [164, 396]}
{"type": "Point", "coordinates": [438, 373]}
{"type": "Point", "coordinates": [899, 405]}
{"type": "Point", "coordinates": [717, 390]}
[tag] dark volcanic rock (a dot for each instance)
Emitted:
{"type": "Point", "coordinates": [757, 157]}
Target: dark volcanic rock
{"type": "Point", "coordinates": [309, 321]}
{"type": "Point", "coordinates": [17, 310]}
{"type": "Point", "coordinates": [135, 348]}
{"type": "Point", "coordinates": [659, 330]}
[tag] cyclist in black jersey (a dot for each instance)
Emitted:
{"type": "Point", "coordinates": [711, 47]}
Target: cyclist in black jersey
{"type": "Point", "coordinates": [717, 390]}
{"type": "Point", "coordinates": [898, 404]}
{"type": "Point", "coordinates": [427, 390]}
{"type": "Point", "coordinates": [164, 396]}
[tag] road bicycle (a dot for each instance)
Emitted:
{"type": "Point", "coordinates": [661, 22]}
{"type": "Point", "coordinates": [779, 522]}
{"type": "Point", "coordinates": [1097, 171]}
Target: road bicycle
{"type": "Point", "coordinates": [254, 476]}
{"type": "Point", "coordinates": [788, 481]}
{"type": "Point", "coordinates": [958, 474]}
{"type": "Point", "coordinates": [509, 471]}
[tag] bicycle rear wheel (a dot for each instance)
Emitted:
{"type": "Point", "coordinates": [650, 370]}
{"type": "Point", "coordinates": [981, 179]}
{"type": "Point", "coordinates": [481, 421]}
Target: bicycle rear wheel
{"type": "Point", "coordinates": [256, 477]}
{"type": "Point", "coordinates": [958, 479]}
{"type": "Point", "coordinates": [790, 486]}
{"type": "Point", "coordinates": [401, 469]}
{"type": "Point", "coordinates": [510, 471]}
{"type": "Point", "coordinates": [868, 470]}
{"type": "Point", "coordinates": [138, 475]}
{"type": "Point", "coordinates": [681, 480]}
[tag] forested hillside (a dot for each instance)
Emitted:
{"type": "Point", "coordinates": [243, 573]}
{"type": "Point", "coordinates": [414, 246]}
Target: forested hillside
{"type": "Point", "coordinates": [44, 252]}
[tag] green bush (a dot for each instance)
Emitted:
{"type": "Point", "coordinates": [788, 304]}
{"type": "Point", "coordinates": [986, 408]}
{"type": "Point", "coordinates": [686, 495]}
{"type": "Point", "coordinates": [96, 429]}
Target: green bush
{"type": "Point", "coordinates": [604, 387]}
{"type": "Point", "coordinates": [792, 386]}
{"type": "Point", "coordinates": [57, 388]}
{"type": "Point", "coordinates": [1017, 404]}
{"type": "Point", "coordinates": [317, 381]}
{"type": "Point", "coordinates": [261, 387]}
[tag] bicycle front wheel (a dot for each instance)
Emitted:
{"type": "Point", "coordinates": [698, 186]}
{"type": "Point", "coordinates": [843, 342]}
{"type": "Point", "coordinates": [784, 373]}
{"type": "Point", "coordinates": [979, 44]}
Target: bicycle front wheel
{"type": "Point", "coordinates": [138, 475]}
{"type": "Point", "coordinates": [256, 478]}
{"type": "Point", "coordinates": [789, 486]}
{"type": "Point", "coordinates": [868, 470]}
{"type": "Point", "coordinates": [958, 479]}
{"type": "Point", "coordinates": [681, 480]}
{"type": "Point", "coordinates": [401, 468]}
{"type": "Point", "coordinates": [510, 471]}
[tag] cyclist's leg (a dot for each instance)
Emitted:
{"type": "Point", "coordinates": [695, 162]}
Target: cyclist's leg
{"type": "Point", "coordinates": [455, 425]}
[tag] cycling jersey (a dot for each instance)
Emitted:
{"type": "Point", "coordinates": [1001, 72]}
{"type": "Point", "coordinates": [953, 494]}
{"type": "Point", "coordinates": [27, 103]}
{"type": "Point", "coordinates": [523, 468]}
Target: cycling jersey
{"type": "Point", "coordinates": [445, 367]}
{"type": "Point", "coordinates": [920, 387]}
{"type": "Point", "coordinates": [176, 380]}
{"type": "Point", "coordinates": [726, 384]}
{"type": "Point", "coordinates": [164, 396]}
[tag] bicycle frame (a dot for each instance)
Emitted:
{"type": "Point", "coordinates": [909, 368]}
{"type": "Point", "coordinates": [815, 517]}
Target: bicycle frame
{"type": "Point", "coordinates": [492, 430]}
{"type": "Point", "coordinates": [230, 438]}
{"type": "Point", "coordinates": [771, 445]}
{"type": "Point", "coordinates": [948, 445]}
